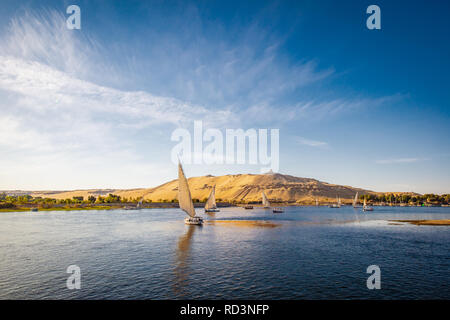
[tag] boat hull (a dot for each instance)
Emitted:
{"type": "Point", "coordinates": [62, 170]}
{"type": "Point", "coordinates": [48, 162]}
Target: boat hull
{"type": "Point", "coordinates": [212, 210]}
{"type": "Point", "coordinates": [193, 220]}
{"type": "Point", "coordinates": [277, 210]}
{"type": "Point", "coordinates": [248, 207]}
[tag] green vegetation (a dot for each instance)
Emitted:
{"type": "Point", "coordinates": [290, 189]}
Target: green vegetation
{"type": "Point", "coordinates": [411, 199]}
{"type": "Point", "coordinates": [26, 202]}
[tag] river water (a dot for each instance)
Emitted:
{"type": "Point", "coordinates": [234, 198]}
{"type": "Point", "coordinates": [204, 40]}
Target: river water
{"type": "Point", "coordinates": [303, 253]}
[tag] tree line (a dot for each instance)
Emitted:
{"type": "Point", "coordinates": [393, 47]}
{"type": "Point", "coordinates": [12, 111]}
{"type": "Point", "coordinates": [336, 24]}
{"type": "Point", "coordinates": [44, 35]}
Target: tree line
{"type": "Point", "coordinates": [27, 199]}
{"type": "Point", "coordinates": [393, 198]}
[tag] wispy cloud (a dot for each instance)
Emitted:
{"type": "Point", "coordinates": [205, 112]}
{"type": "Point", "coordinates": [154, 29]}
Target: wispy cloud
{"type": "Point", "coordinates": [399, 160]}
{"type": "Point", "coordinates": [217, 70]}
{"type": "Point", "coordinates": [311, 143]}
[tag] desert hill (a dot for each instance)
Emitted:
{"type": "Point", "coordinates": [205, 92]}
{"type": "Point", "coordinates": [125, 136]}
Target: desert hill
{"type": "Point", "coordinates": [239, 187]}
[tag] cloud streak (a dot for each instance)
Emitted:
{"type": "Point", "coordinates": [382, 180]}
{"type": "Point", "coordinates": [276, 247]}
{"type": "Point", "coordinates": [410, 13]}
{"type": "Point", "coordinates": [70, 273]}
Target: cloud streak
{"type": "Point", "coordinates": [399, 160]}
{"type": "Point", "coordinates": [311, 143]}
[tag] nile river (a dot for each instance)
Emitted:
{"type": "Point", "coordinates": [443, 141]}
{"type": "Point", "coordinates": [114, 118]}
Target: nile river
{"type": "Point", "coordinates": [304, 253]}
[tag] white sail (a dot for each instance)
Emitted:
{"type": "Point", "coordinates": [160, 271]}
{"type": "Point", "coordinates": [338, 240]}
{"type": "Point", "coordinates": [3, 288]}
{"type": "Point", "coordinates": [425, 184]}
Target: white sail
{"type": "Point", "coordinates": [265, 201]}
{"type": "Point", "coordinates": [355, 201]}
{"type": "Point", "coordinates": [211, 202]}
{"type": "Point", "coordinates": [364, 202]}
{"type": "Point", "coordinates": [339, 201]}
{"type": "Point", "coordinates": [184, 194]}
{"type": "Point", "coordinates": [139, 204]}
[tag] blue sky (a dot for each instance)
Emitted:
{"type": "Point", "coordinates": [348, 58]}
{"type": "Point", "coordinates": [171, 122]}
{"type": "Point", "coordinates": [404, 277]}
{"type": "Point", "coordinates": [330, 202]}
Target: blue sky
{"type": "Point", "coordinates": [95, 108]}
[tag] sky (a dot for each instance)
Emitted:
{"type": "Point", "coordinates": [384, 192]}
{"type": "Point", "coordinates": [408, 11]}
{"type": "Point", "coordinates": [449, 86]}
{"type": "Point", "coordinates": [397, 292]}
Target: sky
{"type": "Point", "coordinates": [96, 107]}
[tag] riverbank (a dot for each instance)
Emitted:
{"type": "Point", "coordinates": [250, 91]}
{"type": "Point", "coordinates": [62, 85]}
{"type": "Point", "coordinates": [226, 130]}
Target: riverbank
{"type": "Point", "coordinates": [159, 205]}
{"type": "Point", "coordinates": [103, 206]}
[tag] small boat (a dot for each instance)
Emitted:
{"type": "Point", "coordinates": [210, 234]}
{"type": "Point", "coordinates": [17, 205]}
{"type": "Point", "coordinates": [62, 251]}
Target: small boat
{"type": "Point", "coordinates": [34, 209]}
{"type": "Point", "coordinates": [185, 199]}
{"type": "Point", "coordinates": [194, 220]}
{"type": "Point", "coordinates": [355, 201]}
{"type": "Point", "coordinates": [210, 205]}
{"type": "Point", "coordinates": [277, 210]}
{"type": "Point", "coordinates": [366, 207]}
{"type": "Point", "coordinates": [137, 207]}
{"type": "Point", "coordinates": [248, 207]}
{"type": "Point", "coordinates": [337, 204]}
{"type": "Point", "coordinates": [265, 201]}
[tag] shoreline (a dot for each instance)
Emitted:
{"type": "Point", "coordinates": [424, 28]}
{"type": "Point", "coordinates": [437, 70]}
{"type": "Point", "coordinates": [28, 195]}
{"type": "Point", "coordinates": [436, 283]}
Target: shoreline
{"type": "Point", "coordinates": [165, 205]}
{"type": "Point", "coordinates": [162, 205]}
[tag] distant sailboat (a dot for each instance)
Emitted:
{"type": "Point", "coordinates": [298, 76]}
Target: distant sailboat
{"type": "Point", "coordinates": [355, 201]}
{"type": "Point", "coordinates": [265, 201]}
{"type": "Point", "coordinates": [366, 207]}
{"type": "Point", "coordinates": [210, 205]}
{"type": "Point", "coordinates": [137, 207]}
{"type": "Point", "coordinates": [337, 204]}
{"type": "Point", "coordinates": [317, 202]}
{"type": "Point", "coordinates": [185, 199]}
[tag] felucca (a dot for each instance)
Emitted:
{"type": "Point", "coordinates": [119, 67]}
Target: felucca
{"type": "Point", "coordinates": [355, 201]}
{"type": "Point", "coordinates": [185, 199]}
{"type": "Point", "coordinates": [210, 205]}
{"type": "Point", "coordinates": [366, 207]}
{"type": "Point", "coordinates": [265, 201]}
{"type": "Point", "coordinates": [337, 204]}
{"type": "Point", "coordinates": [137, 207]}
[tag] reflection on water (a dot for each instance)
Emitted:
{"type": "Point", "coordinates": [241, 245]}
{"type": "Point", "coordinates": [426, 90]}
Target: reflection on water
{"type": "Point", "coordinates": [244, 223]}
{"type": "Point", "coordinates": [183, 252]}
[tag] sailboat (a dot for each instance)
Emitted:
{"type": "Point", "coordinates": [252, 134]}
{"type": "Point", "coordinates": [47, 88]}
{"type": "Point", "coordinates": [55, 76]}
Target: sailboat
{"type": "Point", "coordinates": [266, 204]}
{"type": "Point", "coordinates": [210, 205]}
{"type": "Point", "coordinates": [337, 204]}
{"type": "Point", "coordinates": [137, 207]}
{"type": "Point", "coordinates": [185, 199]}
{"type": "Point", "coordinates": [355, 201]}
{"type": "Point", "coordinates": [366, 207]}
{"type": "Point", "coordinates": [317, 202]}
{"type": "Point", "coordinates": [265, 201]}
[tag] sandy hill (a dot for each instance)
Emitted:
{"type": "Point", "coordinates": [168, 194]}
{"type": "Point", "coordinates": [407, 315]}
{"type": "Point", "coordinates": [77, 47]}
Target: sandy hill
{"type": "Point", "coordinates": [240, 187]}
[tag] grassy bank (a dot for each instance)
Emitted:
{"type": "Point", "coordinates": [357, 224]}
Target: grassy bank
{"type": "Point", "coordinates": [20, 209]}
